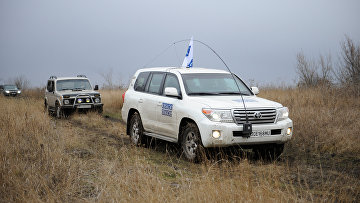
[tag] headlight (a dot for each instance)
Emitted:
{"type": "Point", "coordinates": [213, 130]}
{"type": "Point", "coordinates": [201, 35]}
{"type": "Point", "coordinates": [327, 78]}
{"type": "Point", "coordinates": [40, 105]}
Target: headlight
{"type": "Point", "coordinates": [7, 91]}
{"type": "Point", "coordinates": [66, 102]}
{"type": "Point", "coordinates": [19, 91]}
{"type": "Point", "coordinates": [97, 100]}
{"type": "Point", "coordinates": [282, 113]}
{"type": "Point", "coordinates": [218, 115]}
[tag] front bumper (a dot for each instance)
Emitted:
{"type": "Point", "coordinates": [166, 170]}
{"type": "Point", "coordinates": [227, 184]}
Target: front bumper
{"type": "Point", "coordinates": [83, 106]}
{"type": "Point", "coordinates": [13, 94]}
{"type": "Point", "coordinates": [228, 130]}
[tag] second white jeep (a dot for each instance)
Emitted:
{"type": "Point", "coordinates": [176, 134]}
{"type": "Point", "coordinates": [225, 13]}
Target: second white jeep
{"type": "Point", "coordinates": [64, 95]}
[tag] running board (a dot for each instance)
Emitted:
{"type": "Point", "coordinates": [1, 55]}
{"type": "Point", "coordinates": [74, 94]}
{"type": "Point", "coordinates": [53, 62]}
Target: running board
{"type": "Point", "coordinates": [169, 139]}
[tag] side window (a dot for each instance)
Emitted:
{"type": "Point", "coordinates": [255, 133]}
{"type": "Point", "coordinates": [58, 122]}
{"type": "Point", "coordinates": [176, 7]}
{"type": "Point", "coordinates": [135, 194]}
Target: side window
{"type": "Point", "coordinates": [50, 86]}
{"type": "Point", "coordinates": [141, 81]}
{"type": "Point", "coordinates": [172, 81]}
{"type": "Point", "coordinates": [155, 83]}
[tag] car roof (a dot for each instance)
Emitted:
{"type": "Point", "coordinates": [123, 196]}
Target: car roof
{"type": "Point", "coordinates": [69, 78]}
{"type": "Point", "coordinates": [183, 70]}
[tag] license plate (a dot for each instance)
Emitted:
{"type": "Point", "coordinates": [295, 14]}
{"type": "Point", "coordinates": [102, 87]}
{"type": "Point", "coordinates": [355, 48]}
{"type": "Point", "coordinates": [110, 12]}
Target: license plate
{"type": "Point", "coordinates": [261, 133]}
{"type": "Point", "coordinates": [84, 107]}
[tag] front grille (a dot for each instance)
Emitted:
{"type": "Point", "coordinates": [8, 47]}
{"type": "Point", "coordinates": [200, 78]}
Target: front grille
{"type": "Point", "coordinates": [263, 116]}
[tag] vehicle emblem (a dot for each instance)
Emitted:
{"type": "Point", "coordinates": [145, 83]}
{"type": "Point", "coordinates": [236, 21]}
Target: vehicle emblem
{"type": "Point", "coordinates": [257, 115]}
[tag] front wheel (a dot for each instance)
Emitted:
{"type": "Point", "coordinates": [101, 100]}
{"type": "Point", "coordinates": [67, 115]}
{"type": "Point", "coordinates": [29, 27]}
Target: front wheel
{"type": "Point", "coordinates": [59, 113]}
{"type": "Point", "coordinates": [191, 143]}
{"type": "Point", "coordinates": [136, 130]}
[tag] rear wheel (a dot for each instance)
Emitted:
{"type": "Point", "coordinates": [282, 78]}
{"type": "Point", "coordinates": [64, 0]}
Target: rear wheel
{"type": "Point", "coordinates": [191, 143]}
{"type": "Point", "coordinates": [59, 113]}
{"type": "Point", "coordinates": [47, 109]}
{"type": "Point", "coordinates": [136, 130]}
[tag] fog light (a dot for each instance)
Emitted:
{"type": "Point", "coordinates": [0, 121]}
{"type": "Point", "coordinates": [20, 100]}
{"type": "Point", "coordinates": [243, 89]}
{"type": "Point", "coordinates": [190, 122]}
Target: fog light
{"type": "Point", "coordinates": [79, 100]}
{"type": "Point", "coordinates": [66, 102]}
{"type": "Point", "coordinates": [216, 134]}
{"type": "Point", "coordinates": [288, 131]}
{"type": "Point", "coordinates": [87, 100]}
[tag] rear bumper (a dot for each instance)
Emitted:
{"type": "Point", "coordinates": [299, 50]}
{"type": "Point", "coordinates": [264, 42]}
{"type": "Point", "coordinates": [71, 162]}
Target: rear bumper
{"type": "Point", "coordinates": [230, 133]}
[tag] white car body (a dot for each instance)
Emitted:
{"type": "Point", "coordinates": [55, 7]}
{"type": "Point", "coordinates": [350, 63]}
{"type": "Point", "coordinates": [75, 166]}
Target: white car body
{"type": "Point", "coordinates": [162, 116]}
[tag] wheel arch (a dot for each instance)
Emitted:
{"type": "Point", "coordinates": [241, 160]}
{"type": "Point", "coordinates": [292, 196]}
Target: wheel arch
{"type": "Point", "coordinates": [184, 121]}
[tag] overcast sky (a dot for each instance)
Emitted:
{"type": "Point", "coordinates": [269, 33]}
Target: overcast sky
{"type": "Point", "coordinates": [258, 40]}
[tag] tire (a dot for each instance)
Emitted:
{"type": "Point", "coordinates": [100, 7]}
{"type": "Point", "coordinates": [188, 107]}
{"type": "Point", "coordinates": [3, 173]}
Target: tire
{"type": "Point", "coordinates": [47, 109]}
{"type": "Point", "coordinates": [136, 130]}
{"type": "Point", "coordinates": [191, 144]}
{"type": "Point", "coordinates": [58, 112]}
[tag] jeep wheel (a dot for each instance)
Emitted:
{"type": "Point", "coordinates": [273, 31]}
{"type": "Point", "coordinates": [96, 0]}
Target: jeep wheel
{"type": "Point", "coordinates": [58, 111]}
{"type": "Point", "coordinates": [191, 143]}
{"type": "Point", "coordinates": [47, 109]}
{"type": "Point", "coordinates": [136, 130]}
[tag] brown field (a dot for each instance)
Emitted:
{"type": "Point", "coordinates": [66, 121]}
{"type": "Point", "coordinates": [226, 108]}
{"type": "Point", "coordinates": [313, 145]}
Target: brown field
{"type": "Point", "coordinates": [88, 157]}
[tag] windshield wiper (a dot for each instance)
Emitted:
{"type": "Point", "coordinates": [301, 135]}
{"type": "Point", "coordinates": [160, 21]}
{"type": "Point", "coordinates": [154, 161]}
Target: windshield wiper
{"type": "Point", "coordinates": [233, 93]}
{"type": "Point", "coordinates": [203, 93]}
{"type": "Point", "coordinates": [65, 89]}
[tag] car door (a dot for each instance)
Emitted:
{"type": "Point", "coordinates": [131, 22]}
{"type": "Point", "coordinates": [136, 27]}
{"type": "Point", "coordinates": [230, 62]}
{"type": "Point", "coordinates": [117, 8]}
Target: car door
{"type": "Point", "coordinates": [150, 101]}
{"type": "Point", "coordinates": [166, 110]}
{"type": "Point", "coordinates": [50, 93]}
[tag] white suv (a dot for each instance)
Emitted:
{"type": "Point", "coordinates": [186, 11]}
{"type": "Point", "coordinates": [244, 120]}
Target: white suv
{"type": "Point", "coordinates": [64, 95]}
{"type": "Point", "coordinates": [200, 108]}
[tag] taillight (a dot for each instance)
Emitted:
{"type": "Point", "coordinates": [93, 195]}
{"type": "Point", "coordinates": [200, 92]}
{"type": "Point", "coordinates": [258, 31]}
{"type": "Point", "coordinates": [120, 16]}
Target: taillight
{"type": "Point", "coordinates": [123, 96]}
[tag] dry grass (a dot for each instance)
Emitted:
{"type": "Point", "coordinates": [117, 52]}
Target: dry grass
{"type": "Point", "coordinates": [89, 158]}
{"type": "Point", "coordinates": [113, 102]}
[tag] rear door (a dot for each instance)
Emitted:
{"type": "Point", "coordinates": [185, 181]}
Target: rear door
{"type": "Point", "coordinates": [151, 101]}
{"type": "Point", "coordinates": [167, 108]}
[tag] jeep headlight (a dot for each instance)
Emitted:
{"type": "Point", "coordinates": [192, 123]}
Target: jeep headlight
{"type": "Point", "coordinates": [66, 101]}
{"type": "Point", "coordinates": [18, 91]}
{"type": "Point", "coordinates": [282, 113]}
{"type": "Point", "coordinates": [97, 100]}
{"type": "Point", "coordinates": [218, 115]}
{"type": "Point", "coordinates": [7, 91]}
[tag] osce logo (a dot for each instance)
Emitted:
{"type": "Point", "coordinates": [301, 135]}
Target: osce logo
{"type": "Point", "coordinates": [167, 109]}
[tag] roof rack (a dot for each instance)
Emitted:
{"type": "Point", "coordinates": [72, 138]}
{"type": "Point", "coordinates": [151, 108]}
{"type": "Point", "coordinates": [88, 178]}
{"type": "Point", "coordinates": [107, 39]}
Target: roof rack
{"type": "Point", "coordinates": [81, 76]}
{"type": "Point", "coordinates": [53, 77]}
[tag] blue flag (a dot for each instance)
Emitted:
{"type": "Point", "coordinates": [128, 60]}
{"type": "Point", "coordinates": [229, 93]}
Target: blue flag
{"type": "Point", "coordinates": [188, 60]}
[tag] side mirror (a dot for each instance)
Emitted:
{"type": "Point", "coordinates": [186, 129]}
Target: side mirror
{"type": "Point", "coordinates": [171, 92]}
{"type": "Point", "coordinates": [96, 87]}
{"type": "Point", "coordinates": [255, 90]}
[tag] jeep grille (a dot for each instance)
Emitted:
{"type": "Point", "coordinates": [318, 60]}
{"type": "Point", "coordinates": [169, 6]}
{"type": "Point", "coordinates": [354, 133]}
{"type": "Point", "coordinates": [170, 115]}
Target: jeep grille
{"type": "Point", "coordinates": [265, 116]}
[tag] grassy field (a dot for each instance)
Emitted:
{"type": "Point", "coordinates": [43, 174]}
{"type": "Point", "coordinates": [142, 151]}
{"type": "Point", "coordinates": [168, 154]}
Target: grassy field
{"type": "Point", "coordinates": [88, 157]}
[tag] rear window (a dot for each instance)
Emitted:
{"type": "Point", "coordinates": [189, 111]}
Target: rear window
{"type": "Point", "coordinates": [141, 81]}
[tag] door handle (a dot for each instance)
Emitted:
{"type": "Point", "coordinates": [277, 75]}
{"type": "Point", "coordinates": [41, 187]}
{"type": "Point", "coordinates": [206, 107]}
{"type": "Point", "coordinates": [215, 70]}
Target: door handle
{"type": "Point", "coordinates": [141, 101]}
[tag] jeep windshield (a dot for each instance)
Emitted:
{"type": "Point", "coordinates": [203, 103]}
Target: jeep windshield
{"type": "Point", "coordinates": [214, 84]}
{"type": "Point", "coordinates": [10, 87]}
{"type": "Point", "coordinates": [73, 84]}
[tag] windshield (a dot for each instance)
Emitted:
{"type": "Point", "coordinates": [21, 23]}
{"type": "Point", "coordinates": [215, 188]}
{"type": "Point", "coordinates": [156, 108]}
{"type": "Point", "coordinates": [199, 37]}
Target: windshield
{"type": "Point", "coordinates": [213, 84]}
{"type": "Point", "coordinates": [73, 84]}
{"type": "Point", "coordinates": [10, 87]}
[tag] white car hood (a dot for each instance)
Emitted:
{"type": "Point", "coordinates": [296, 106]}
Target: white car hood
{"type": "Point", "coordinates": [70, 92]}
{"type": "Point", "coordinates": [231, 102]}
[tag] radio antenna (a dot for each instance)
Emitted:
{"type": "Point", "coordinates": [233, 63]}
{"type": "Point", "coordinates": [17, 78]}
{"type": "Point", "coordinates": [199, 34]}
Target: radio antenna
{"type": "Point", "coordinates": [247, 126]}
